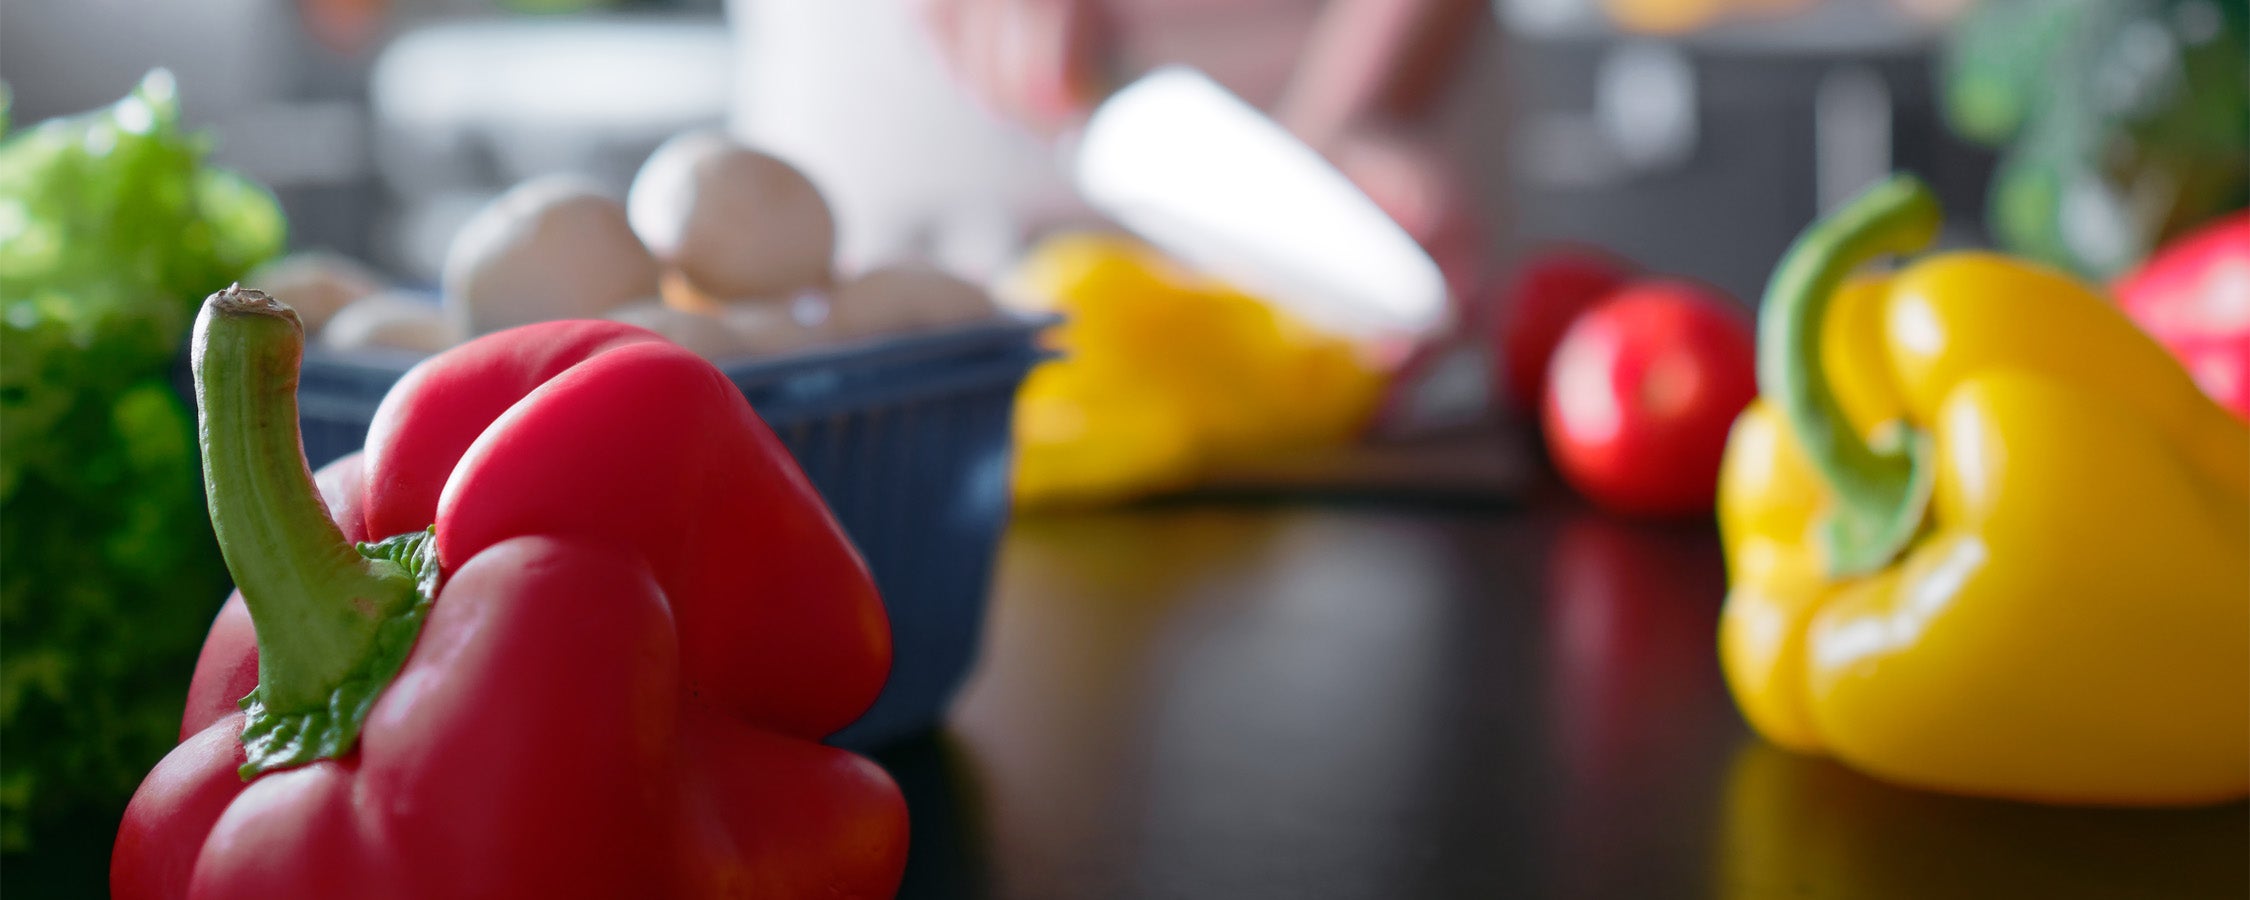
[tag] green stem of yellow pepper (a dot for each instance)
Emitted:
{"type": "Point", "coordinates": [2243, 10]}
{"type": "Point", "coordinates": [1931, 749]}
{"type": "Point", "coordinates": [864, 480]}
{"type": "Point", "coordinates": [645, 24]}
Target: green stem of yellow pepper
{"type": "Point", "coordinates": [1881, 491]}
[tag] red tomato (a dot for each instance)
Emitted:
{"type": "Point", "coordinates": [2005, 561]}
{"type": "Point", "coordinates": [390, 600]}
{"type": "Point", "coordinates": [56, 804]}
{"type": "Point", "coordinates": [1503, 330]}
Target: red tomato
{"type": "Point", "coordinates": [1545, 296]}
{"type": "Point", "coordinates": [1641, 393]}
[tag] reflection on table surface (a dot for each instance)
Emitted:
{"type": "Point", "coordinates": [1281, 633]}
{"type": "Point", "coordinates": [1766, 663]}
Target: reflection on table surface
{"type": "Point", "coordinates": [1269, 701]}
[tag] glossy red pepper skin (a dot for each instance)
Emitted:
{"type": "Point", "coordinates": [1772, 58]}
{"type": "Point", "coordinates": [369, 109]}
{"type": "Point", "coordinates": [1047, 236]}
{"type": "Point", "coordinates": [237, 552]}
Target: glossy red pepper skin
{"type": "Point", "coordinates": [648, 621]}
{"type": "Point", "coordinates": [2194, 298]}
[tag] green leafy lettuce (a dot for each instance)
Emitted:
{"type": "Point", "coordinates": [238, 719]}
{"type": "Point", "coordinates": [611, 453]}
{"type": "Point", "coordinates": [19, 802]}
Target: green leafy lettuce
{"type": "Point", "coordinates": [2120, 123]}
{"type": "Point", "coordinates": [112, 229]}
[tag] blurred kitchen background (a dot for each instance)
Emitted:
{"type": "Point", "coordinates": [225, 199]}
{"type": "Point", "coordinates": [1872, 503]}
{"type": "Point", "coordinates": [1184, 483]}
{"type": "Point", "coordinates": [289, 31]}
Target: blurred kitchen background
{"type": "Point", "coordinates": [1686, 141]}
{"type": "Point", "coordinates": [1636, 125]}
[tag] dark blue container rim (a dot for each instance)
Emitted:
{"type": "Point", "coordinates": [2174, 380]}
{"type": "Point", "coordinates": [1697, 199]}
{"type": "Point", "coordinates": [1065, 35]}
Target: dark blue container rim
{"type": "Point", "coordinates": [830, 400]}
{"type": "Point", "coordinates": [1003, 333]}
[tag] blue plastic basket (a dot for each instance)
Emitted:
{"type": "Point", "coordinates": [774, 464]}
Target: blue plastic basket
{"type": "Point", "coordinates": [907, 438]}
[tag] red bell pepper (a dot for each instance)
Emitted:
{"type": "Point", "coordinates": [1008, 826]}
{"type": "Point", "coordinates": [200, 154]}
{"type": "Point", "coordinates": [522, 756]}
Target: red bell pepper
{"type": "Point", "coordinates": [636, 622]}
{"type": "Point", "coordinates": [2194, 298]}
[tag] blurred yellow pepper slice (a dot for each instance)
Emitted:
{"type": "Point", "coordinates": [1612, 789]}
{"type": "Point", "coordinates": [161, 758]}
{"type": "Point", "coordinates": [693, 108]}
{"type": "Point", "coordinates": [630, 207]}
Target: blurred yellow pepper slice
{"type": "Point", "coordinates": [1165, 373]}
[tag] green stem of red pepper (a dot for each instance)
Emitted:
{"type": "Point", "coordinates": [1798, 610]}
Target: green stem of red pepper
{"type": "Point", "coordinates": [1882, 491]}
{"type": "Point", "coordinates": [334, 620]}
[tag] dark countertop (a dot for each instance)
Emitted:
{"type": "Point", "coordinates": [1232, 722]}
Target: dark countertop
{"type": "Point", "coordinates": [1259, 700]}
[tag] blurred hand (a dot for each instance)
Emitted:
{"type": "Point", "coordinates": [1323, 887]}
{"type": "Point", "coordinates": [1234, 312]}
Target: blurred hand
{"type": "Point", "coordinates": [347, 27]}
{"type": "Point", "coordinates": [1038, 62]}
{"type": "Point", "coordinates": [1361, 80]}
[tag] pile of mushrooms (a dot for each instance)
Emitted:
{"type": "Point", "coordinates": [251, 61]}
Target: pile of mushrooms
{"type": "Point", "coordinates": [724, 250]}
{"type": "Point", "coordinates": [346, 306]}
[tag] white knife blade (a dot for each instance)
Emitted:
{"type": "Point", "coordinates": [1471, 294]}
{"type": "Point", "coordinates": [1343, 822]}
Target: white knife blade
{"type": "Point", "coordinates": [1191, 168]}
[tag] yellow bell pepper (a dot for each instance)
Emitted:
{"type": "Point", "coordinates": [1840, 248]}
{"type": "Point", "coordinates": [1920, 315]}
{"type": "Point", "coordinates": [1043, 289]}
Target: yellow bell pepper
{"type": "Point", "coordinates": [1165, 374]}
{"type": "Point", "coordinates": [1983, 536]}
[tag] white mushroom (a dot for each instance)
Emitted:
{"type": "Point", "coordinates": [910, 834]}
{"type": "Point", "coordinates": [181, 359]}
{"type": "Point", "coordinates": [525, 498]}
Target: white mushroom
{"type": "Point", "coordinates": [392, 319]}
{"type": "Point", "coordinates": [735, 222]}
{"type": "Point", "coordinates": [551, 248]}
{"type": "Point", "coordinates": [703, 334]}
{"type": "Point", "coordinates": [908, 296]}
{"type": "Point", "coordinates": [774, 328]}
{"type": "Point", "coordinates": [315, 283]}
